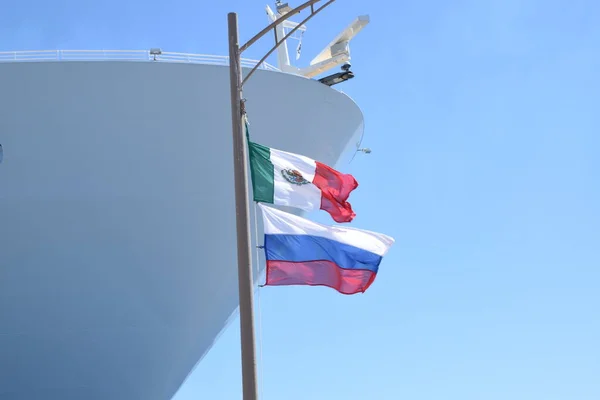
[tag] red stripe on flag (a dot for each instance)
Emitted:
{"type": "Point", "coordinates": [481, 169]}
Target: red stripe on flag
{"type": "Point", "coordinates": [335, 188]}
{"type": "Point", "coordinates": [318, 273]}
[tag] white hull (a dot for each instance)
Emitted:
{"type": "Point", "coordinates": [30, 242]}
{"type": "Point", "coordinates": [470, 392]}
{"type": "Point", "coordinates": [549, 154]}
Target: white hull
{"type": "Point", "coordinates": [117, 221]}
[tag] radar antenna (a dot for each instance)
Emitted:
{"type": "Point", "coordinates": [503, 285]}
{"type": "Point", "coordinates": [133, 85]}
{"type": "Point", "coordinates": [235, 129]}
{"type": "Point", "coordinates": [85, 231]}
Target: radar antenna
{"type": "Point", "coordinates": [337, 52]}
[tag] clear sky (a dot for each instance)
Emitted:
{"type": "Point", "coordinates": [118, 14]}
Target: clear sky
{"type": "Point", "coordinates": [484, 121]}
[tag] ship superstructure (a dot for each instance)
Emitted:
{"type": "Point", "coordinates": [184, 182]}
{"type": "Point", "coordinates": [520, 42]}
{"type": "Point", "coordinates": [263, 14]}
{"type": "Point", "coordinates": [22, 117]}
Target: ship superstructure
{"type": "Point", "coordinates": [117, 270]}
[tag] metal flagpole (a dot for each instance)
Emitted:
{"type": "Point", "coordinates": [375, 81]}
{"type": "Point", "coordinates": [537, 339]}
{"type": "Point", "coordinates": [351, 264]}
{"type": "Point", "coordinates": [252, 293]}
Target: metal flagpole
{"type": "Point", "coordinates": [245, 283]}
{"type": "Point", "coordinates": [240, 170]}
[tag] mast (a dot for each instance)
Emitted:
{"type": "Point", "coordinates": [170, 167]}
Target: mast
{"type": "Point", "coordinates": [335, 53]}
{"type": "Point", "coordinates": [240, 170]}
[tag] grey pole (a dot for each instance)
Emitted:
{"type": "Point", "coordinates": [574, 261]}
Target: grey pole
{"type": "Point", "coordinates": [240, 170]}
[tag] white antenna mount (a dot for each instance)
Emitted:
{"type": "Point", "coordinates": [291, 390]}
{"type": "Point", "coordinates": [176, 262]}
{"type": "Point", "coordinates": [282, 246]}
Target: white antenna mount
{"type": "Point", "coordinates": [337, 52]}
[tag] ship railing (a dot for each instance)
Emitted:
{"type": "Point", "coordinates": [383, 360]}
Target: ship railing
{"type": "Point", "coordinates": [124, 55]}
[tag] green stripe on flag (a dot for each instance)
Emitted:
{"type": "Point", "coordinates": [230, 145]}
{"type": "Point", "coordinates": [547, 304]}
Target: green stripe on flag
{"type": "Point", "coordinates": [262, 172]}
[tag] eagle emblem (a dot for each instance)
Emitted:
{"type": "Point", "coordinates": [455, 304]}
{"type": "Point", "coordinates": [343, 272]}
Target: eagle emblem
{"type": "Point", "coordinates": [293, 176]}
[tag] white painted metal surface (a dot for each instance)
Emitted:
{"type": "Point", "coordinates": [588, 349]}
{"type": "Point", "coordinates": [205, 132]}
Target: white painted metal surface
{"type": "Point", "coordinates": [337, 52]}
{"type": "Point", "coordinates": [123, 55]}
{"type": "Point", "coordinates": [117, 232]}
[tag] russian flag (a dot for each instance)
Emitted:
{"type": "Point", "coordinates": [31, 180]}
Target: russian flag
{"type": "Point", "coordinates": [302, 252]}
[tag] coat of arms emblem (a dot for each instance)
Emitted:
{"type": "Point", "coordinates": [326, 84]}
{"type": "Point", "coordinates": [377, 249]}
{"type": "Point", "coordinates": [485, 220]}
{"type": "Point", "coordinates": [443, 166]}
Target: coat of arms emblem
{"type": "Point", "coordinates": [293, 176]}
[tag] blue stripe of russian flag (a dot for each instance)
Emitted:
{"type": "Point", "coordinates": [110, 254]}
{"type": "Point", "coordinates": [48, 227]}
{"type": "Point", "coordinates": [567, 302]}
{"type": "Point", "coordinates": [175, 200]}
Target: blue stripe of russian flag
{"type": "Point", "coordinates": [307, 248]}
{"type": "Point", "coordinates": [303, 252]}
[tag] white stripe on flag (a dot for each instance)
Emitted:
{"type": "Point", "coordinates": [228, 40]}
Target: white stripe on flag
{"type": "Point", "coordinates": [306, 197]}
{"type": "Point", "coordinates": [277, 222]}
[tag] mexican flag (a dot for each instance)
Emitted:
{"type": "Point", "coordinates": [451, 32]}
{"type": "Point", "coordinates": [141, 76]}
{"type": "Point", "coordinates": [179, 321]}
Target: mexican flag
{"type": "Point", "coordinates": [289, 179]}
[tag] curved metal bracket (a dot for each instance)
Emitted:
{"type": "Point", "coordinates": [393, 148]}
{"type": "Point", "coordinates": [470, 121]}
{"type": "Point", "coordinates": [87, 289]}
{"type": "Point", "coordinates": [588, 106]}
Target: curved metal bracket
{"type": "Point", "coordinates": [283, 18]}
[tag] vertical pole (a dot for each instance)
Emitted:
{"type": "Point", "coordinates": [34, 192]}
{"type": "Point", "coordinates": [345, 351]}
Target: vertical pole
{"type": "Point", "coordinates": [244, 260]}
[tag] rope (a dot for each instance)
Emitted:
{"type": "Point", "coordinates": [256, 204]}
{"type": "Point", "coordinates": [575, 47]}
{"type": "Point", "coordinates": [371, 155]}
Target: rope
{"type": "Point", "coordinates": [246, 124]}
{"type": "Point", "coordinates": [258, 306]}
{"type": "Point", "coordinates": [258, 311]}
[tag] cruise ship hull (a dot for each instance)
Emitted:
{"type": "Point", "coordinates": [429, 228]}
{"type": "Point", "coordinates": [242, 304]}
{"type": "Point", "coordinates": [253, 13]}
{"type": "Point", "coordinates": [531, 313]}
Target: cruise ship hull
{"type": "Point", "coordinates": [117, 218]}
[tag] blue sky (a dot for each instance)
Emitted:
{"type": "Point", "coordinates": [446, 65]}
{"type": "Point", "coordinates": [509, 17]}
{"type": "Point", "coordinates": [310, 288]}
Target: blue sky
{"type": "Point", "coordinates": [484, 124]}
